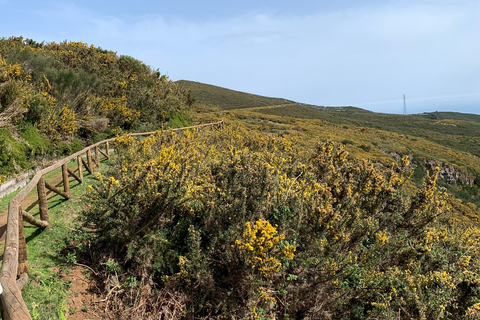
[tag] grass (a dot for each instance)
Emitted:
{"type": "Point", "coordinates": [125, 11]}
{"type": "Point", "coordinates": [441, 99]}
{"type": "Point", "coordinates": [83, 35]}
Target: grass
{"type": "Point", "coordinates": [46, 293]}
{"type": "Point", "coordinates": [227, 99]}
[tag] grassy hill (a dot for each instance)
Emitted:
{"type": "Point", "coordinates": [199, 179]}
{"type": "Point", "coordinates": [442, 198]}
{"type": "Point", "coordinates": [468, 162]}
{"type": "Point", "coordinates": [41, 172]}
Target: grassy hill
{"type": "Point", "coordinates": [227, 99]}
{"type": "Point", "coordinates": [456, 134]}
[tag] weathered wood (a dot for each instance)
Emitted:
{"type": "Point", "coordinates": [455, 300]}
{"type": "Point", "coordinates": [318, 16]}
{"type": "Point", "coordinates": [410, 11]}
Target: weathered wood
{"type": "Point", "coordinates": [80, 168]}
{"type": "Point", "coordinates": [107, 149]}
{"type": "Point", "coordinates": [97, 157]}
{"type": "Point", "coordinates": [104, 154]}
{"type": "Point", "coordinates": [34, 221]}
{"type": "Point", "coordinates": [42, 200]}
{"type": "Point", "coordinates": [56, 190]}
{"type": "Point", "coordinates": [87, 167]}
{"type": "Point", "coordinates": [89, 161]}
{"type": "Point", "coordinates": [66, 185]}
{"type": "Point", "coordinates": [22, 280]}
{"type": "Point", "coordinates": [22, 248]}
{"type": "Point", "coordinates": [13, 305]}
{"type": "Point", "coordinates": [73, 174]}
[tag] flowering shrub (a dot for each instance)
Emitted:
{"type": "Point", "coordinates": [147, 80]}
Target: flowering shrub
{"type": "Point", "coordinates": [247, 225]}
{"type": "Point", "coordinates": [259, 242]}
{"type": "Point", "coordinates": [71, 89]}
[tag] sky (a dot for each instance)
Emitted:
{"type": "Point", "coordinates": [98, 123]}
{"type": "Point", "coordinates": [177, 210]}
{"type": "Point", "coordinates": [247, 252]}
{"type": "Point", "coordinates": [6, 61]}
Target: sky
{"type": "Point", "coordinates": [364, 53]}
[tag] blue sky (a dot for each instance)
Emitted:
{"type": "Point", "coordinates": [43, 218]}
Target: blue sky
{"type": "Point", "coordinates": [365, 53]}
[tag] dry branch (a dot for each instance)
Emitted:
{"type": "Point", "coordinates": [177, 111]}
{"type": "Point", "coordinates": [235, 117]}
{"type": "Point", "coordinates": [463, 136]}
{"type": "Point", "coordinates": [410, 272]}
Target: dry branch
{"type": "Point", "coordinates": [13, 111]}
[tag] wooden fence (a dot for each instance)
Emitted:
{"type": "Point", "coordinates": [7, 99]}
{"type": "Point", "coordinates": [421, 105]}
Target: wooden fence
{"type": "Point", "coordinates": [14, 272]}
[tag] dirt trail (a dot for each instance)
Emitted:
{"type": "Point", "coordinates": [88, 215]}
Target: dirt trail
{"type": "Point", "coordinates": [250, 108]}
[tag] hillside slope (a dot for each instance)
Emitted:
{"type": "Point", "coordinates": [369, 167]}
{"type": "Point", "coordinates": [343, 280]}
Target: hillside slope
{"type": "Point", "coordinates": [459, 135]}
{"type": "Point", "coordinates": [450, 115]}
{"type": "Point", "coordinates": [227, 99]}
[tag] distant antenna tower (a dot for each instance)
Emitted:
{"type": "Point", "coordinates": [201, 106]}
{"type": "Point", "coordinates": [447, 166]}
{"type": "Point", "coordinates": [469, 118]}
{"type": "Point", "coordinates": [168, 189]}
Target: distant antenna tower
{"type": "Point", "coordinates": [404, 105]}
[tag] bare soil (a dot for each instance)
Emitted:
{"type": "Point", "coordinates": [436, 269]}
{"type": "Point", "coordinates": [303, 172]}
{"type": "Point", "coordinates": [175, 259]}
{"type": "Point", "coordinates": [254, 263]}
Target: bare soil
{"type": "Point", "coordinates": [83, 302]}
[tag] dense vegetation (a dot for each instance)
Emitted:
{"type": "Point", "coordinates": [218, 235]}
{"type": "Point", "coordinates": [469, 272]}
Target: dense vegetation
{"type": "Point", "coordinates": [240, 224]}
{"type": "Point", "coordinates": [56, 97]}
{"type": "Point", "coordinates": [445, 139]}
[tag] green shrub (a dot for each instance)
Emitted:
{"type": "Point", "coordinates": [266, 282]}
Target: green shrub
{"type": "Point", "coordinates": [177, 121]}
{"type": "Point", "coordinates": [365, 148]}
{"type": "Point", "coordinates": [76, 145]}
{"type": "Point", "coordinates": [63, 148]}
{"type": "Point", "coordinates": [13, 154]}
{"type": "Point", "coordinates": [38, 105]}
{"type": "Point", "coordinates": [346, 141]}
{"type": "Point", "coordinates": [34, 139]}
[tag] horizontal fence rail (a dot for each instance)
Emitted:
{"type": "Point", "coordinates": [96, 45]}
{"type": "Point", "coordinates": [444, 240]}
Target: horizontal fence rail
{"type": "Point", "coordinates": [14, 272]}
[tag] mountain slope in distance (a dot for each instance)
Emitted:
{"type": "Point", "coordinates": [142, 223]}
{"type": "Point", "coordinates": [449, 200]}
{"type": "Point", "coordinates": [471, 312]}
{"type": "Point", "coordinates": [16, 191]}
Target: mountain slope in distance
{"type": "Point", "coordinates": [227, 99]}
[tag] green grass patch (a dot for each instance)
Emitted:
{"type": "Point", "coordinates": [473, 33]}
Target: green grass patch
{"type": "Point", "coordinates": [36, 141]}
{"type": "Point", "coordinates": [46, 293]}
{"type": "Point", "coordinates": [13, 154]}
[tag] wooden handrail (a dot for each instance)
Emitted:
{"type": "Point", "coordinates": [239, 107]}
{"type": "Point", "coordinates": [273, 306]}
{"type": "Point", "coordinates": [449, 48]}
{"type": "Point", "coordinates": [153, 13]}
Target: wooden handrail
{"type": "Point", "coordinates": [14, 306]}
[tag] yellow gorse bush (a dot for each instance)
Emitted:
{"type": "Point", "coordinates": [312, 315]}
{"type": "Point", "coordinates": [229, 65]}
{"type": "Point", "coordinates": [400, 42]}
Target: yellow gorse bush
{"type": "Point", "coordinates": [265, 227]}
{"type": "Point", "coordinates": [259, 243]}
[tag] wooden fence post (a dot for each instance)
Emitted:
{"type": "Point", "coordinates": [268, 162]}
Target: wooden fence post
{"type": "Point", "coordinates": [22, 246]}
{"type": "Point", "coordinates": [66, 186]}
{"type": "Point", "coordinates": [89, 161]}
{"type": "Point", "coordinates": [97, 157]}
{"type": "Point", "coordinates": [80, 168]}
{"type": "Point", "coordinates": [42, 200]}
{"type": "Point", "coordinates": [107, 149]}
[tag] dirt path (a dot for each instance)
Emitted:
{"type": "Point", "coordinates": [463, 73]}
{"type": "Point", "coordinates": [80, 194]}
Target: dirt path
{"type": "Point", "coordinates": [250, 108]}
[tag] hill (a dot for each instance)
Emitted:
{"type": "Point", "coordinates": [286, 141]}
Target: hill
{"type": "Point", "coordinates": [227, 99]}
{"type": "Point", "coordinates": [285, 206]}
{"type": "Point", "coordinates": [457, 134]}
